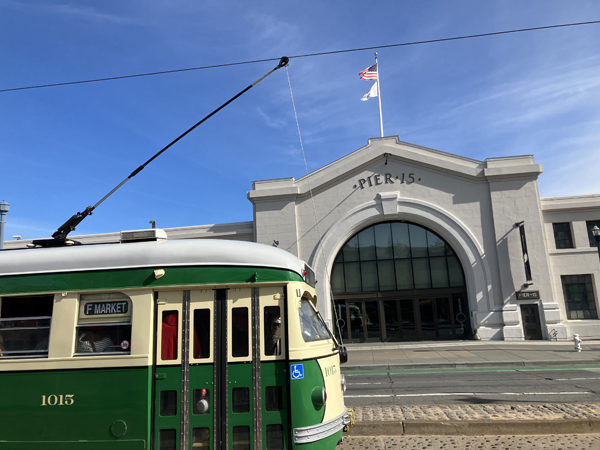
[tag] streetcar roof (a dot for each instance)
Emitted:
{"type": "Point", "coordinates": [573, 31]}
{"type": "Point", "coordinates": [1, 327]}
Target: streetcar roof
{"type": "Point", "coordinates": [184, 252]}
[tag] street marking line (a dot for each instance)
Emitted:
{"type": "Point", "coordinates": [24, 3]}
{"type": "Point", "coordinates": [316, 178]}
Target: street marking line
{"type": "Point", "coordinates": [573, 379]}
{"type": "Point", "coordinates": [448, 394]}
{"type": "Point", "coordinates": [472, 370]}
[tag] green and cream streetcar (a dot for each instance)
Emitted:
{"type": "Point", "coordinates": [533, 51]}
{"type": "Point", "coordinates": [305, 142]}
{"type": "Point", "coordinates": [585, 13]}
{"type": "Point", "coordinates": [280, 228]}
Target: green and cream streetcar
{"type": "Point", "coordinates": [165, 345]}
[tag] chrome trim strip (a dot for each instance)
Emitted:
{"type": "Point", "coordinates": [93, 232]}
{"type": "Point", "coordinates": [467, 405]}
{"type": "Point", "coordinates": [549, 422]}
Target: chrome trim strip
{"type": "Point", "coordinates": [321, 431]}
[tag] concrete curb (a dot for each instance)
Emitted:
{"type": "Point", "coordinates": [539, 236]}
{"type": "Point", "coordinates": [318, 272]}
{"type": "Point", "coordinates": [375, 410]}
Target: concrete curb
{"type": "Point", "coordinates": [467, 365]}
{"type": "Point", "coordinates": [471, 428]}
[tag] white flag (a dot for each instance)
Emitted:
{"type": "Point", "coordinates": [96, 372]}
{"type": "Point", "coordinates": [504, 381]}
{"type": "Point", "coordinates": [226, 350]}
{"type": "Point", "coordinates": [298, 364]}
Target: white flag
{"type": "Point", "coordinates": [372, 93]}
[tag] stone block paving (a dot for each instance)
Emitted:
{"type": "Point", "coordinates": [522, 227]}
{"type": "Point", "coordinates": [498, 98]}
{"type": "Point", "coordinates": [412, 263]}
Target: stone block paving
{"type": "Point", "coordinates": [541, 442]}
{"type": "Point", "coordinates": [479, 412]}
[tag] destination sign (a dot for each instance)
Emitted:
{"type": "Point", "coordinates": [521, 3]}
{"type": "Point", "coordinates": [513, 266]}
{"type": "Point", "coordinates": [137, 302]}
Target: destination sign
{"type": "Point", "coordinates": [528, 295]}
{"type": "Point", "coordinates": [101, 308]}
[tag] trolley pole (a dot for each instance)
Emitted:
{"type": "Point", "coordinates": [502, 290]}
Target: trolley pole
{"type": "Point", "coordinates": [4, 208]}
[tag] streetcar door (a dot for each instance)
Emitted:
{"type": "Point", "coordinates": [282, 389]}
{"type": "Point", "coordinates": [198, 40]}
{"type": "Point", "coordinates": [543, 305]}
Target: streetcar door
{"type": "Point", "coordinates": [255, 367]}
{"type": "Point", "coordinates": [220, 372]}
{"type": "Point", "coordinates": [168, 370]}
{"type": "Point", "coordinates": [184, 370]}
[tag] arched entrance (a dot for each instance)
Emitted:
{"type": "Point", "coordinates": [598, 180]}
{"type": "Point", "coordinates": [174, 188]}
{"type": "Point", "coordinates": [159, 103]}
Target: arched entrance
{"type": "Point", "coordinates": [399, 281]}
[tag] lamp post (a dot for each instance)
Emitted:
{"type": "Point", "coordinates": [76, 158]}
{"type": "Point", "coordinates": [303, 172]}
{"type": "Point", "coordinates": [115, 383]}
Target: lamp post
{"type": "Point", "coordinates": [4, 207]}
{"type": "Point", "coordinates": [596, 233]}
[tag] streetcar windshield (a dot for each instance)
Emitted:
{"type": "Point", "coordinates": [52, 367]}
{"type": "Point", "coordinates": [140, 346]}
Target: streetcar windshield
{"type": "Point", "coordinates": [312, 326]}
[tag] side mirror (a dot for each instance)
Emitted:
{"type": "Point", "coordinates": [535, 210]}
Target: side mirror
{"type": "Point", "coordinates": [343, 355]}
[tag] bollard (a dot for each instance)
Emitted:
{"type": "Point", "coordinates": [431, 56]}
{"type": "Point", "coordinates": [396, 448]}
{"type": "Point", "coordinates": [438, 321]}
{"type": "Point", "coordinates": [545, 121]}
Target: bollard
{"type": "Point", "coordinates": [577, 342]}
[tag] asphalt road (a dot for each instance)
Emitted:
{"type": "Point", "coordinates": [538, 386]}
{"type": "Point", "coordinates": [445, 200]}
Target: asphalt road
{"type": "Point", "coordinates": [473, 386]}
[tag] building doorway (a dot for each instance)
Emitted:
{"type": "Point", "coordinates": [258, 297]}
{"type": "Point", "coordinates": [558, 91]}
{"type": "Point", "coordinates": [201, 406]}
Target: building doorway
{"type": "Point", "coordinates": [532, 328]}
{"type": "Point", "coordinates": [438, 316]}
{"type": "Point", "coordinates": [399, 281]}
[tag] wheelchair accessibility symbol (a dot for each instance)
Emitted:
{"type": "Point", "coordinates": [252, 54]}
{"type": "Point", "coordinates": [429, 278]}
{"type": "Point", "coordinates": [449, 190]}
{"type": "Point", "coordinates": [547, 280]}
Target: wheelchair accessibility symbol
{"type": "Point", "coordinates": [297, 371]}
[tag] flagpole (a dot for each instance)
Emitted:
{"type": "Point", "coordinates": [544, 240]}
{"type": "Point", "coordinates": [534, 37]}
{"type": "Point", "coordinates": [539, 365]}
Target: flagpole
{"type": "Point", "coordinates": [379, 97]}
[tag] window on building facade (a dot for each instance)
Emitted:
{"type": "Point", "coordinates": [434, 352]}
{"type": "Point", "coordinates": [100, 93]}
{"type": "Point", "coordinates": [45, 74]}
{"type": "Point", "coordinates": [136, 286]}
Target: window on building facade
{"type": "Point", "coordinates": [562, 235]}
{"type": "Point", "coordinates": [589, 225]}
{"type": "Point", "coordinates": [395, 256]}
{"type": "Point", "coordinates": [579, 297]}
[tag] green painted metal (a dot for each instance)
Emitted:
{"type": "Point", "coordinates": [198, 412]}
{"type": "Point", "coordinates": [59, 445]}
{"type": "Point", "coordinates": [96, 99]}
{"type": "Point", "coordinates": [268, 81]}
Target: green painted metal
{"type": "Point", "coordinates": [304, 412]}
{"type": "Point", "coordinates": [274, 374]}
{"type": "Point", "coordinates": [168, 379]}
{"type": "Point", "coordinates": [60, 408]}
{"type": "Point", "coordinates": [136, 278]}
{"type": "Point", "coordinates": [239, 376]}
{"type": "Point", "coordinates": [123, 444]}
{"type": "Point", "coordinates": [201, 377]}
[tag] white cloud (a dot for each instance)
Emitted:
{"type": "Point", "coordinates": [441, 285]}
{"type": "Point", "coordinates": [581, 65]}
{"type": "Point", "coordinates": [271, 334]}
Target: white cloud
{"type": "Point", "coordinates": [68, 10]}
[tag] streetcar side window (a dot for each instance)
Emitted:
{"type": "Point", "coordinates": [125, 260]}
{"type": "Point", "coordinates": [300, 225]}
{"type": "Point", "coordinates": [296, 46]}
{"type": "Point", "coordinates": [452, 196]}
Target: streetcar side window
{"type": "Point", "coordinates": [201, 401]}
{"type": "Point", "coordinates": [311, 325]}
{"type": "Point", "coordinates": [272, 330]}
{"type": "Point", "coordinates": [167, 439]}
{"type": "Point", "coordinates": [241, 438]}
{"type": "Point", "coordinates": [274, 398]}
{"type": "Point", "coordinates": [201, 348]}
{"type": "Point", "coordinates": [275, 437]}
{"type": "Point", "coordinates": [170, 335]}
{"type": "Point", "coordinates": [25, 326]}
{"type": "Point", "coordinates": [168, 403]}
{"type": "Point", "coordinates": [201, 437]}
{"type": "Point", "coordinates": [239, 332]}
{"type": "Point", "coordinates": [104, 324]}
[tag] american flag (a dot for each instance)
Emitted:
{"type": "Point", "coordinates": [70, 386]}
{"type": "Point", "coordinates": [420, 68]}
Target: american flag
{"type": "Point", "coordinates": [369, 73]}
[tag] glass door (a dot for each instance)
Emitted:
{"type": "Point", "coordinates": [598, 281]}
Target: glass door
{"type": "Point", "coordinates": [356, 321]}
{"type": "Point", "coordinates": [408, 320]}
{"type": "Point", "coordinates": [444, 318]}
{"type": "Point", "coordinates": [371, 314]}
{"type": "Point", "coordinates": [427, 316]}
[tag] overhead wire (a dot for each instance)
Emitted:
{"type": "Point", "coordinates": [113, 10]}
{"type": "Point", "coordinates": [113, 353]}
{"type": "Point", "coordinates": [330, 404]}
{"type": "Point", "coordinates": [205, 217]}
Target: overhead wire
{"type": "Point", "coordinates": [312, 199]}
{"type": "Point", "coordinates": [307, 55]}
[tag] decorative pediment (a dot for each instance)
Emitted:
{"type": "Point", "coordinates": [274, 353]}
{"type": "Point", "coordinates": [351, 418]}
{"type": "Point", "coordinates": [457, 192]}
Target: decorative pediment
{"type": "Point", "coordinates": [391, 162]}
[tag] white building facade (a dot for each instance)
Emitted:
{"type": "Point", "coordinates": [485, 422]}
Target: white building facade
{"type": "Point", "coordinates": [409, 243]}
{"type": "Point", "coordinates": [390, 227]}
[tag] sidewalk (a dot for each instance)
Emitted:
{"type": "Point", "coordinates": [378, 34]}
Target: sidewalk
{"type": "Point", "coordinates": [477, 419]}
{"type": "Point", "coordinates": [473, 419]}
{"type": "Point", "coordinates": [468, 354]}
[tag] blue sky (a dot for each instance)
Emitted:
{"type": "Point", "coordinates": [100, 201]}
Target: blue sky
{"type": "Point", "coordinates": [64, 148]}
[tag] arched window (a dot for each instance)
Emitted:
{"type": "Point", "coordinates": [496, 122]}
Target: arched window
{"type": "Point", "coordinates": [395, 256]}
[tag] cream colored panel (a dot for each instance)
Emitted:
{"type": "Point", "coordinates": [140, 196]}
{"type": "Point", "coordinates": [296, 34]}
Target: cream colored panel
{"type": "Point", "coordinates": [73, 363]}
{"type": "Point", "coordinates": [202, 299]}
{"type": "Point", "coordinates": [168, 301]}
{"type": "Point", "coordinates": [332, 375]}
{"type": "Point", "coordinates": [272, 296]}
{"type": "Point", "coordinates": [142, 319]}
{"type": "Point", "coordinates": [299, 349]}
{"type": "Point", "coordinates": [239, 298]}
{"type": "Point", "coordinates": [62, 328]}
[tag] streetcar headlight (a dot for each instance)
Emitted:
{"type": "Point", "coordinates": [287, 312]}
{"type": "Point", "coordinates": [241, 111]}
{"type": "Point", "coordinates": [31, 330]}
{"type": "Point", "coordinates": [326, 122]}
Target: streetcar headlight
{"type": "Point", "coordinates": [319, 396]}
{"type": "Point", "coordinates": [343, 383]}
